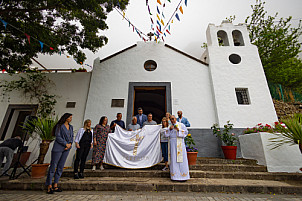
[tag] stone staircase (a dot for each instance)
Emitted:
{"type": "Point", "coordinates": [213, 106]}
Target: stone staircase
{"type": "Point", "coordinates": [208, 175]}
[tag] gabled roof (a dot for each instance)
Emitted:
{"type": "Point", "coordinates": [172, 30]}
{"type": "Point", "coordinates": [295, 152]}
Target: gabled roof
{"type": "Point", "coordinates": [166, 45]}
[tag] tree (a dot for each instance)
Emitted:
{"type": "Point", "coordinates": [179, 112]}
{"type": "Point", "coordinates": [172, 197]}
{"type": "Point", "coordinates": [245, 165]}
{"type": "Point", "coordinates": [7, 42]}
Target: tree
{"type": "Point", "coordinates": [278, 45]}
{"type": "Point", "coordinates": [61, 25]}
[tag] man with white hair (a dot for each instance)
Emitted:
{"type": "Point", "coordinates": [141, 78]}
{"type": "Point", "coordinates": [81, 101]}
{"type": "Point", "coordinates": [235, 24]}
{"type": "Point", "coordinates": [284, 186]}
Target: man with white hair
{"type": "Point", "coordinates": [7, 149]}
{"type": "Point", "coordinates": [133, 126]}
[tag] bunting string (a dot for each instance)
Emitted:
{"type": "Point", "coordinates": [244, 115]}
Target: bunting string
{"type": "Point", "coordinates": [42, 44]}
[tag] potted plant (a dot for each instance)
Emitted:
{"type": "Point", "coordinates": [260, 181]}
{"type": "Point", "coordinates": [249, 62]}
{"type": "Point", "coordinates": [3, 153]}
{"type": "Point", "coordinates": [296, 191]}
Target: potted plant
{"type": "Point", "coordinates": [42, 128]}
{"type": "Point", "coordinates": [290, 133]}
{"type": "Point", "coordinates": [191, 151]}
{"type": "Point", "coordinates": [229, 140]}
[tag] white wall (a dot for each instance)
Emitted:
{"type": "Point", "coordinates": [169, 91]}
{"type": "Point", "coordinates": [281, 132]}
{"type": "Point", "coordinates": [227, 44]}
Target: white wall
{"type": "Point", "coordinates": [68, 87]}
{"type": "Point", "coordinates": [247, 74]}
{"type": "Point", "coordinates": [189, 81]}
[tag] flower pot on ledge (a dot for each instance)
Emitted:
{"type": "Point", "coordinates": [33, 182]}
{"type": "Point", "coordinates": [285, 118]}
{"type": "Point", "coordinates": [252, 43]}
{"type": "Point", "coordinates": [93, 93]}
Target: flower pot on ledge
{"type": "Point", "coordinates": [229, 152]}
{"type": "Point", "coordinates": [192, 157]}
{"type": "Point", "coordinates": [39, 170]}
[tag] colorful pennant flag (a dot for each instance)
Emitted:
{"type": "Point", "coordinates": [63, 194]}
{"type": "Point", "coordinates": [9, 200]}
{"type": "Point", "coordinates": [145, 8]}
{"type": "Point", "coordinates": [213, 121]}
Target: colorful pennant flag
{"type": "Point", "coordinates": [162, 22]}
{"type": "Point", "coordinates": [157, 10]}
{"type": "Point", "coordinates": [159, 25]}
{"type": "Point", "coordinates": [28, 37]}
{"type": "Point", "coordinates": [158, 17]}
{"type": "Point", "coordinates": [168, 31]}
{"type": "Point", "coordinates": [158, 29]}
{"type": "Point", "coordinates": [41, 45]}
{"type": "Point", "coordinates": [180, 8]}
{"type": "Point", "coordinates": [5, 23]}
{"type": "Point", "coordinates": [124, 15]}
{"type": "Point", "coordinates": [149, 10]}
{"type": "Point", "coordinates": [186, 2]}
{"type": "Point", "coordinates": [152, 20]}
{"type": "Point", "coordinates": [177, 16]}
{"type": "Point", "coordinates": [158, 1]}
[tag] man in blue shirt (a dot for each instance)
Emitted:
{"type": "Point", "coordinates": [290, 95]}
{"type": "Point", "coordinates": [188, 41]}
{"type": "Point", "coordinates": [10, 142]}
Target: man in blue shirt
{"type": "Point", "coordinates": [141, 118]}
{"type": "Point", "coordinates": [182, 119]}
{"type": "Point", "coordinates": [118, 121]}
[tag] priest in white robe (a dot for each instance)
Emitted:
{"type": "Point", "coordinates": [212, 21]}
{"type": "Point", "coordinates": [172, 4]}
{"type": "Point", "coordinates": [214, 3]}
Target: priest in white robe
{"type": "Point", "coordinates": [179, 168]}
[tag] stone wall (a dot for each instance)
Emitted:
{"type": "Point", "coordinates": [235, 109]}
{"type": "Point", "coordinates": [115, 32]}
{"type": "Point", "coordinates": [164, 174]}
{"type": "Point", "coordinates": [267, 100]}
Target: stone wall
{"type": "Point", "coordinates": [286, 109]}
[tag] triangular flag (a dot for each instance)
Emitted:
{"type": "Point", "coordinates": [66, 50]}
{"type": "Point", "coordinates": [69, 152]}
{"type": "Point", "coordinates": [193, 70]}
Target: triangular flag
{"type": "Point", "coordinates": [165, 34]}
{"type": "Point", "coordinates": [169, 1]}
{"type": "Point", "coordinates": [162, 22]}
{"type": "Point", "coordinates": [5, 23]}
{"type": "Point", "coordinates": [168, 32]}
{"type": "Point", "coordinates": [158, 1]}
{"type": "Point", "coordinates": [133, 28]}
{"type": "Point", "coordinates": [151, 20]}
{"type": "Point", "coordinates": [163, 38]}
{"type": "Point", "coordinates": [177, 16]}
{"type": "Point", "coordinates": [164, 5]}
{"type": "Point", "coordinates": [157, 10]}
{"type": "Point", "coordinates": [28, 37]}
{"type": "Point", "coordinates": [149, 10]}
{"type": "Point", "coordinates": [155, 38]}
{"type": "Point", "coordinates": [180, 8]}
{"type": "Point", "coordinates": [158, 29]}
{"type": "Point", "coordinates": [146, 2]}
{"type": "Point", "coordinates": [163, 15]}
{"type": "Point", "coordinates": [41, 45]}
{"type": "Point", "coordinates": [169, 27]}
{"type": "Point", "coordinates": [124, 15]}
{"type": "Point", "coordinates": [186, 2]}
{"type": "Point", "coordinates": [159, 25]}
{"type": "Point", "coordinates": [158, 17]}
{"type": "Point", "coordinates": [172, 22]}
{"type": "Point", "coordinates": [129, 23]}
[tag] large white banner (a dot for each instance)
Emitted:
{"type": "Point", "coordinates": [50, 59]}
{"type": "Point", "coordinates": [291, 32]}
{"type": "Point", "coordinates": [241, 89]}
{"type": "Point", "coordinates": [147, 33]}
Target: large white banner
{"type": "Point", "coordinates": [134, 149]}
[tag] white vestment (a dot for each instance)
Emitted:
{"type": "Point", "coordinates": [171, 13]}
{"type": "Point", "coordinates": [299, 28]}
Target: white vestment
{"type": "Point", "coordinates": [179, 168]}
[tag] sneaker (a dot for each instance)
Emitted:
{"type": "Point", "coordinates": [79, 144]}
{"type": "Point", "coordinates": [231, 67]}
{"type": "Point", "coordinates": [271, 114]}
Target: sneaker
{"type": "Point", "coordinates": [76, 176]}
{"type": "Point", "coordinates": [93, 168]}
{"type": "Point", "coordinates": [101, 167]}
{"type": "Point", "coordinates": [165, 169]}
{"type": "Point", "coordinates": [81, 175]}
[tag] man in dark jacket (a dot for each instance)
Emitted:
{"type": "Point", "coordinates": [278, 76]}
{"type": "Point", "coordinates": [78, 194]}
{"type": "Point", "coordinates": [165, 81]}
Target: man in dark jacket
{"type": "Point", "coordinates": [7, 149]}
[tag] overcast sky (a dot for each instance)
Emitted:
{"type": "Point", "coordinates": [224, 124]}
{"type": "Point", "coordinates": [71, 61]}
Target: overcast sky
{"type": "Point", "coordinates": [187, 35]}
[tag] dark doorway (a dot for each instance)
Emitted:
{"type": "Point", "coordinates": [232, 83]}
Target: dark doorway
{"type": "Point", "coordinates": [152, 100]}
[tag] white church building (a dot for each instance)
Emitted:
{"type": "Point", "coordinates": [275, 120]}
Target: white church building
{"type": "Point", "coordinates": [226, 83]}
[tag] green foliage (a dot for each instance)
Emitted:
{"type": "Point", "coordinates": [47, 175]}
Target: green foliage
{"type": "Point", "coordinates": [34, 86]}
{"type": "Point", "coordinates": [224, 136]}
{"type": "Point", "coordinates": [190, 142]}
{"type": "Point", "coordinates": [63, 25]}
{"type": "Point", "coordinates": [291, 134]}
{"type": "Point", "coordinates": [42, 127]}
{"type": "Point", "coordinates": [278, 45]}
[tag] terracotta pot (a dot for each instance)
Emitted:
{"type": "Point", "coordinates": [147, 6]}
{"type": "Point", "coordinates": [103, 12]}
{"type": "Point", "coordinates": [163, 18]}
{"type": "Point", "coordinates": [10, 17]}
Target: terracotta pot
{"type": "Point", "coordinates": [229, 152]}
{"type": "Point", "coordinates": [43, 150]}
{"type": "Point", "coordinates": [39, 170]}
{"type": "Point", "coordinates": [192, 157]}
{"type": "Point", "coordinates": [23, 158]}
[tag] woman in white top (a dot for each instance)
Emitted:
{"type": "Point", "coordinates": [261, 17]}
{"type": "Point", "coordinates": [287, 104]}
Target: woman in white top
{"type": "Point", "coordinates": [84, 142]}
{"type": "Point", "coordinates": [164, 142]}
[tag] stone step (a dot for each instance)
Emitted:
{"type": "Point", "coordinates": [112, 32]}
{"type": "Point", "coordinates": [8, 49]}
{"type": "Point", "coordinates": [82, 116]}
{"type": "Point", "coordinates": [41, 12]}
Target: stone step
{"type": "Point", "coordinates": [207, 167]}
{"type": "Point", "coordinates": [158, 184]}
{"type": "Point", "coordinates": [205, 160]}
{"type": "Point", "coordinates": [193, 174]}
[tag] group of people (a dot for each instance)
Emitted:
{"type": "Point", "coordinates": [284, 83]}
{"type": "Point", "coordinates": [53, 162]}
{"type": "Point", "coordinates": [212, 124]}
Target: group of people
{"type": "Point", "coordinates": [87, 138]}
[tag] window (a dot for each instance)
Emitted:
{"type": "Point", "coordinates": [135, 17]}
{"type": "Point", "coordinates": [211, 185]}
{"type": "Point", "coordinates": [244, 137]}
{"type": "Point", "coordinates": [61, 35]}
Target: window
{"type": "Point", "coordinates": [222, 38]}
{"type": "Point", "coordinates": [150, 65]}
{"type": "Point", "coordinates": [242, 96]}
{"type": "Point", "coordinates": [234, 58]}
{"type": "Point", "coordinates": [237, 38]}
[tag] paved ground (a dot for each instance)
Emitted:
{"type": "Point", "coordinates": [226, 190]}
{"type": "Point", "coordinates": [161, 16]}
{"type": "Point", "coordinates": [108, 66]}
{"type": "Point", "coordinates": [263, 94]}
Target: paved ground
{"type": "Point", "coordinates": [135, 196]}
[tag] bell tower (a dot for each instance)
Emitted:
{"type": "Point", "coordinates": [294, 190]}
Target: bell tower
{"type": "Point", "coordinates": [239, 85]}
